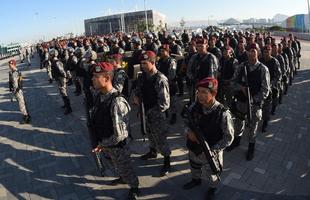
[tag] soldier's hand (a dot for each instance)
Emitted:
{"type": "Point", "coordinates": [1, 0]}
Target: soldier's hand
{"type": "Point", "coordinates": [191, 136]}
{"type": "Point", "coordinates": [98, 149]}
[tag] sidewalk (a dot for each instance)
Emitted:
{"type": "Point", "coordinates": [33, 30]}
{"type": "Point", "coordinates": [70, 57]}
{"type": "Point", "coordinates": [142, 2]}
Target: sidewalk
{"type": "Point", "coordinates": [50, 158]}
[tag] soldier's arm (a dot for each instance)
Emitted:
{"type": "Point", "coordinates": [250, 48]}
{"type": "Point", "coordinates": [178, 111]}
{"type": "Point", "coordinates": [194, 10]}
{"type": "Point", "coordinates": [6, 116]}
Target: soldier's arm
{"type": "Point", "coordinates": [120, 118]}
{"type": "Point", "coordinates": [61, 69]}
{"type": "Point", "coordinates": [278, 73]}
{"type": "Point", "coordinates": [237, 86]}
{"type": "Point", "coordinates": [119, 82]}
{"type": "Point", "coordinates": [172, 70]}
{"type": "Point", "coordinates": [163, 97]}
{"type": "Point", "coordinates": [228, 132]}
{"type": "Point", "coordinates": [214, 66]}
{"type": "Point", "coordinates": [265, 86]}
{"type": "Point", "coordinates": [15, 82]}
{"type": "Point", "coordinates": [189, 71]}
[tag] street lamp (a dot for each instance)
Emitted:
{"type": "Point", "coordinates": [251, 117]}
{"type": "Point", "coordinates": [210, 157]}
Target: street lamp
{"type": "Point", "coordinates": [146, 24]}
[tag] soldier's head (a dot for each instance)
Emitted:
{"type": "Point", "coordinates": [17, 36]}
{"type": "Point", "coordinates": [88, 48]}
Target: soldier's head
{"type": "Point", "coordinates": [252, 53]}
{"type": "Point", "coordinates": [291, 36]}
{"type": "Point", "coordinates": [102, 76]}
{"type": "Point", "coordinates": [164, 51]}
{"type": "Point", "coordinates": [274, 50]}
{"type": "Point", "coordinates": [136, 42]}
{"type": "Point", "coordinates": [90, 56]}
{"type": "Point", "coordinates": [12, 64]}
{"type": "Point", "coordinates": [213, 39]}
{"type": "Point", "coordinates": [228, 52]}
{"type": "Point", "coordinates": [206, 91]}
{"type": "Point", "coordinates": [148, 60]}
{"type": "Point", "coordinates": [280, 48]}
{"type": "Point", "coordinates": [116, 60]}
{"type": "Point", "coordinates": [201, 45]}
{"type": "Point", "coordinates": [53, 54]}
{"type": "Point", "coordinates": [241, 44]}
{"type": "Point", "coordinates": [149, 38]}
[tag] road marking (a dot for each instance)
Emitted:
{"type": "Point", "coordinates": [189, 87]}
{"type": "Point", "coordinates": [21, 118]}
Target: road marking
{"type": "Point", "coordinates": [289, 165]}
{"type": "Point", "coordinates": [259, 170]}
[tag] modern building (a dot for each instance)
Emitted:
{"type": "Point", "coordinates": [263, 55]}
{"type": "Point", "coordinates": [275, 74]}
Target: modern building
{"type": "Point", "coordinates": [126, 22]}
{"type": "Point", "coordinates": [8, 50]}
{"type": "Point", "coordinates": [297, 23]}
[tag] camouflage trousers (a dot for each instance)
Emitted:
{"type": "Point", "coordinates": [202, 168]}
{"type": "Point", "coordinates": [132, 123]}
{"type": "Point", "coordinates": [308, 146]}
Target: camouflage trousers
{"type": "Point", "coordinates": [157, 131]}
{"type": "Point", "coordinates": [239, 124]}
{"type": "Point", "coordinates": [200, 168]}
{"type": "Point", "coordinates": [21, 102]}
{"type": "Point", "coordinates": [121, 161]}
{"type": "Point", "coordinates": [267, 108]}
{"type": "Point", "coordinates": [49, 72]}
{"type": "Point", "coordinates": [62, 86]}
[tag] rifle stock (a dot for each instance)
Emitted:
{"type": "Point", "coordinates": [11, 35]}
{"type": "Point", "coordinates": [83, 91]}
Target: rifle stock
{"type": "Point", "coordinates": [141, 108]}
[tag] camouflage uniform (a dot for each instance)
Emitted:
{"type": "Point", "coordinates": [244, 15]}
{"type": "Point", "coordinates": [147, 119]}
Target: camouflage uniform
{"type": "Point", "coordinates": [16, 90]}
{"type": "Point", "coordinates": [258, 99]}
{"type": "Point", "coordinates": [115, 145]}
{"type": "Point", "coordinates": [120, 81]}
{"type": "Point", "coordinates": [155, 117]}
{"type": "Point", "coordinates": [199, 163]}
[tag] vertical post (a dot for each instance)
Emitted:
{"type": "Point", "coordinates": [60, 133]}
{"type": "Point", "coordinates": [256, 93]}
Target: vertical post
{"type": "Point", "coordinates": [110, 27]}
{"type": "Point", "coordinates": [145, 12]}
{"type": "Point", "coordinates": [308, 15]}
{"type": "Point", "coordinates": [91, 29]}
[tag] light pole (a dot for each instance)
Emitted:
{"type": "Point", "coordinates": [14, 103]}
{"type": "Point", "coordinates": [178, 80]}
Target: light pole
{"type": "Point", "coordinates": [145, 12]}
{"type": "Point", "coordinates": [308, 15]}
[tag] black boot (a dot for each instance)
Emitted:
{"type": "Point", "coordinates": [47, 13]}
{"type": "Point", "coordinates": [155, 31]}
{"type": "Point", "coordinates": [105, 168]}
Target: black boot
{"type": "Point", "coordinates": [68, 106]}
{"type": "Point", "coordinates": [250, 153]}
{"type": "Point", "coordinates": [264, 126]}
{"type": "Point", "coordinates": [173, 119]}
{"type": "Point", "coordinates": [26, 119]}
{"type": "Point", "coordinates": [234, 144]}
{"type": "Point", "coordinates": [151, 154]}
{"type": "Point", "coordinates": [78, 88]}
{"type": "Point", "coordinates": [50, 80]}
{"type": "Point", "coordinates": [210, 193]}
{"type": "Point", "coordinates": [166, 168]}
{"type": "Point", "coordinates": [191, 184]}
{"type": "Point", "coordinates": [133, 193]}
{"type": "Point", "coordinates": [273, 110]}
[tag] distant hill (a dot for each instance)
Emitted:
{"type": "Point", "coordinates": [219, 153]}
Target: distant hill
{"type": "Point", "coordinates": [279, 18]}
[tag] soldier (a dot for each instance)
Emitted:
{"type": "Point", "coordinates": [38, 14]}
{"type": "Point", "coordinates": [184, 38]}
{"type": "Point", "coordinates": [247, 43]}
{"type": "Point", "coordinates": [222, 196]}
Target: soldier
{"type": "Point", "coordinates": [153, 91]}
{"type": "Point", "coordinates": [215, 121]}
{"type": "Point", "coordinates": [213, 48]}
{"type": "Point", "coordinates": [59, 75]}
{"type": "Point", "coordinates": [298, 52]}
{"type": "Point", "coordinates": [79, 52]}
{"type": "Point", "coordinates": [110, 119]}
{"type": "Point", "coordinates": [46, 63]}
{"type": "Point", "coordinates": [259, 85]}
{"type": "Point", "coordinates": [114, 48]}
{"type": "Point", "coordinates": [227, 67]}
{"type": "Point", "coordinates": [241, 54]}
{"type": "Point", "coordinates": [135, 57]}
{"type": "Point", "coordinates": [150, 45]}
{"type": "Point", "coordinates": [285, 76]}
{"type": "Point", "coordinates": [272, 100]}
{"type": "Point", "coordinates": [290, 55]}
{"type": "Point", "coordinates": [167, 66]}
{"type": "Point", "coordinates": [201, 65]}
{"type": "Point", "coordinates": [15, 86]}
{"type": "Point", "coordinates": [120, 78]}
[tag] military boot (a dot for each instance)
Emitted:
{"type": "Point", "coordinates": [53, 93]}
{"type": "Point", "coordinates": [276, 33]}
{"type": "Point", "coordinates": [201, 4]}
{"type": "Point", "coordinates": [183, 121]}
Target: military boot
{"type": "Point", "coordinates": [151, 154]}
{"type": "Point", "coordinates": [250, 153]}
{"type": "Point", "coordinates": [191, 184]}
{"type": "Point", "coordinates": [133, 193]}
{"type": "Point", "coordinates": [78, 88]}
{"type": "Point", "coordinates": [68, 106]}
{"type": "Point", "coordinates": [64, 100]}
{"type": "Point", "coordinates": [26, 119]}
{"type": "Point", "coordinates": [273, 110]}
{"type": "Point", "coordinates": [166, 168]}
{"type": "Point", "coordinates": [210, 193]}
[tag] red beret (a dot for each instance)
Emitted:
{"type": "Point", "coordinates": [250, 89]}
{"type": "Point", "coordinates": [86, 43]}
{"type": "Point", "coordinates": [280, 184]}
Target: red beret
{"type": "Point", "coordinates": [267, 47]}
{"type": "Point", "coordinates": [147, 55]}
{"type": "Point", "coordinates": [252, 46]}
{"type": "Point", "coordinates": [102, 67]}
{"type": "Point", "coordinates": [201, 41]}
{"type": "Point", "coordinates": [166, 47]}
{"type": "Point", "coordinates": [208, 82]}
{"type": "Point", "coordinates": [116, 56]}
{"type": "Point", "coordinates": [12, 62]}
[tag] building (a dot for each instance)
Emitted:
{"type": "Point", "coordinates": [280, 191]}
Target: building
{"type": "Point", "coordinates": [9, 50]}
{"type": "Point", "coordinates": [126, 22]}
{"type": "Point", "coordinates": [297, 23]}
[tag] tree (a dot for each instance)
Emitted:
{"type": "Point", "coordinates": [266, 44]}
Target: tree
{"type": "Point", "coordinates": [182, 23]}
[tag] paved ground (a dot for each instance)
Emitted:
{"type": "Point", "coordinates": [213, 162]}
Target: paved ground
{"type": "Point", "coordinates": [50, 158]}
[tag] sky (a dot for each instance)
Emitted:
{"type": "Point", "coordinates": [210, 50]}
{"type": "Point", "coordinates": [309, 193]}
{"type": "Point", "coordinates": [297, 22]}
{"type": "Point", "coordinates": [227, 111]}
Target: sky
{"type": "Point", "coordinates": [32, 20]}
